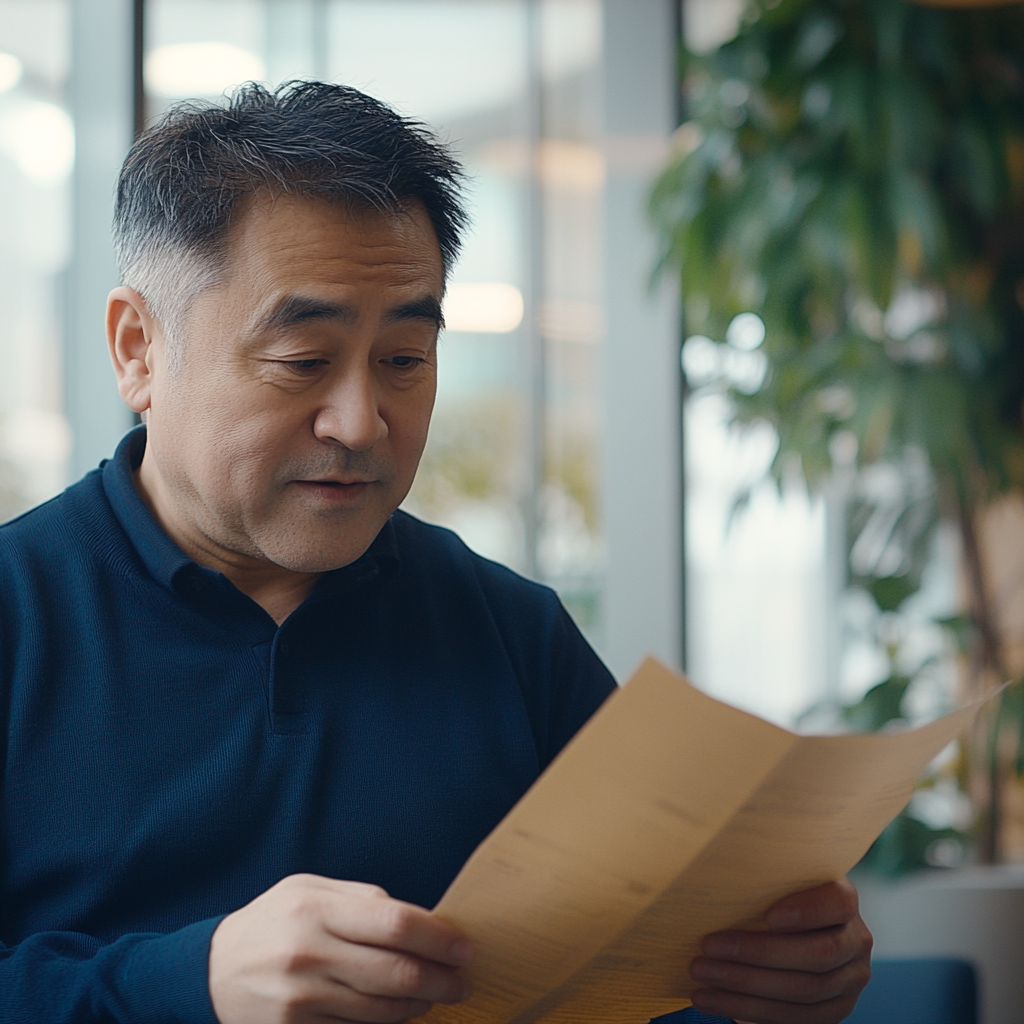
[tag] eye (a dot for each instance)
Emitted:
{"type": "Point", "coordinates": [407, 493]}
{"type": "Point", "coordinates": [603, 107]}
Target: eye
{"type": "Point", "coordinates": [303, 364]}
{"type": "Point", "coordinates": [404, 362]}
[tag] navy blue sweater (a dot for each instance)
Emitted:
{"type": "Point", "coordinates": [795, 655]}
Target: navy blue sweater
{"type": "Point", "coordinates": [168, 752]}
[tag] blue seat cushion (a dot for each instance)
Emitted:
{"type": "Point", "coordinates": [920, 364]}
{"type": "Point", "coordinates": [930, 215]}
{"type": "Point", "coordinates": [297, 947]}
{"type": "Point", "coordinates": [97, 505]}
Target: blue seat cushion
{"type": "Point", "coordinates": [690, 1016]}
{"type": "Point", "coordinates": [939, 990]}
{"type": "Point", "coordinates": [919, 991]}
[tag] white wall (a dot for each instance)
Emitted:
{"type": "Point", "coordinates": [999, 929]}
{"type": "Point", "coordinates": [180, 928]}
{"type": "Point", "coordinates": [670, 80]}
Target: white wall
{"type": "Point", "coordinates": [642, 492]}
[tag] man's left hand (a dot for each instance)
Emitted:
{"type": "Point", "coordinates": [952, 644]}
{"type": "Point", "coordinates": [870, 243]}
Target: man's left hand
{"type": "Point", "coordinates": [808, 968]}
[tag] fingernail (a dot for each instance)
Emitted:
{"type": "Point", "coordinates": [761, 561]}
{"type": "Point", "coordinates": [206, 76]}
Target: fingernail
{"type": "Point", "coordinates": [461, 951]}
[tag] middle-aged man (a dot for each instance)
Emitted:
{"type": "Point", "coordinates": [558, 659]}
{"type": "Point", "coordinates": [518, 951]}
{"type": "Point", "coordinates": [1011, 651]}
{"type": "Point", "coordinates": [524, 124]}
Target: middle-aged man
{"type": "Point", "coordinates": [254, 718]}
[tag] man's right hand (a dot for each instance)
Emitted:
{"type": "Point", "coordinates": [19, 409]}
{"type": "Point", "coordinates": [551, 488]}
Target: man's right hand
{"type": "Point", "coordinates": [315, 949]}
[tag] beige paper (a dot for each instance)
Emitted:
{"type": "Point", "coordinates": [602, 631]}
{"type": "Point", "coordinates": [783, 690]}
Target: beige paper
{"type": "Point", "coordinates": [669, 816]}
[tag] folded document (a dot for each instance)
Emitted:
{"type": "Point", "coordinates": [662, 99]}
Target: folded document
{"type": "Point", "coordinates": [669, 816]}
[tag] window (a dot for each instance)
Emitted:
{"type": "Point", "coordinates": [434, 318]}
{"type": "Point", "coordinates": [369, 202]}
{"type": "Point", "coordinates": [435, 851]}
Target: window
{"type": "Point", "coordinates": [37, 149]}
{"type": "Point", "coordinates": [555, 444]}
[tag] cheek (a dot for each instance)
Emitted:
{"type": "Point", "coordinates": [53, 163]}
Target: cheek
{"type": "Point", "coordinates": [407, 427]}
{"type": "Point", "coordinates": [235, 417]}
{"type": "Point", "coordinates": [231, 450]}
{"type": "Point", "coordinates": [250, 448]}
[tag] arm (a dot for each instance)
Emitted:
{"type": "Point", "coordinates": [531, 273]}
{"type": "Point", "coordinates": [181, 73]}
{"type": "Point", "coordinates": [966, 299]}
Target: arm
{"type": "Point", "coordinates": [809, 967]}
{"type": "Point", "coordinates": [71, 978]}
{"type": "Point", "coordinates": [308, 949]}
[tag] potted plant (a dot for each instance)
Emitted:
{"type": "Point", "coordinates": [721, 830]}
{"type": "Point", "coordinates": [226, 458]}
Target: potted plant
{"type": "Point", "coordinates": [853, 173]}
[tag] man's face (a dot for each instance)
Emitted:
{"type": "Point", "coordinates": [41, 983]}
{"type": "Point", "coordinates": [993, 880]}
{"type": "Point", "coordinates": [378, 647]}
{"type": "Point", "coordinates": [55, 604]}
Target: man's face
{"type": "Point", "coordinates": [295, 422]}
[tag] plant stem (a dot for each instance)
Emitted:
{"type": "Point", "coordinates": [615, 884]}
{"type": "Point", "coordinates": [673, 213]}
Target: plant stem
{"type": "Point", "coordinates": [987, 656]}
{"type": "Point", "coordinates": [986, 663]}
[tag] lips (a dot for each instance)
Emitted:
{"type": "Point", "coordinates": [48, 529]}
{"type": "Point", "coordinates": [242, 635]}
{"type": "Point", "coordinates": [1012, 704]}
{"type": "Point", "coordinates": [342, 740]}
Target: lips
{"type": "Point", "coordinates": [334, 483]}
{"type": "Point", "coordinates": [334, 490]}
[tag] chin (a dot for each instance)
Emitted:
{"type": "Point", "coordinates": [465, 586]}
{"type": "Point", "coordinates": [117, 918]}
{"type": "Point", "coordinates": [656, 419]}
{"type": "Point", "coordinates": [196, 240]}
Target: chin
{"type": "Point", "coordinates": [317, 553]}
{"type": "Point", "coordinates": [314, 561]}
{"type": "Point", "coordinates": [319, 543]}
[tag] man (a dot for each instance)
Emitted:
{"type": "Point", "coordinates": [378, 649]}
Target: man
{"type": "Point", "coordinates": [256, 719]}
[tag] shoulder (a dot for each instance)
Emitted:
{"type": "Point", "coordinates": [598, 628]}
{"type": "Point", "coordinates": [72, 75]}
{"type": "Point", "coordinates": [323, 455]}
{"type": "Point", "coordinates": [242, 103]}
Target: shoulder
{"type": "Point", "coordinates": [32, 533]}
{"type": "Point", "coordinates": [49, 540]}
{"type": "Point", "coordinates": [43, 558]}
{"type": "Point", "coordinates": [561, 677]}
{"type": "Point", "coordinates": [448, 562]}
{"type": "Point", "coordinates": [39, 523]}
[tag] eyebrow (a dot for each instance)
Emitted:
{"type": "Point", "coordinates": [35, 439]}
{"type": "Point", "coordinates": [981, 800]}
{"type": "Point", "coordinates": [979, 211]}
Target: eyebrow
{"type": "Point", "coordinates": [426, 308]}
{"type": "Point", "coordinates": [293, 310]}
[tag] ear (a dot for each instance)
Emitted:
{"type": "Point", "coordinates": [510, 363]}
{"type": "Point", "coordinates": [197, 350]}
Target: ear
{"type": "Point", "coordinates": [134, 340]}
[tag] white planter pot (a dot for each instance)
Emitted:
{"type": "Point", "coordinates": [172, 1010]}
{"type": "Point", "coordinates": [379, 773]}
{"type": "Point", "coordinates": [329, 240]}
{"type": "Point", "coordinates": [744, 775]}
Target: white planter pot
{"type": "Point", "coordinates": [976, 913]}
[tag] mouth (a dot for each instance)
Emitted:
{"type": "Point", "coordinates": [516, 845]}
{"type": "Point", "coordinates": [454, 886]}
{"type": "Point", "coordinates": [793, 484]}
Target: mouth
{"type": "Point", "coordinates": [336, 491]}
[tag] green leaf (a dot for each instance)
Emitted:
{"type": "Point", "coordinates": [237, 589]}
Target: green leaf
{"type": "Point", "coordinates": [961, 630]}
{"type": "Point", "coordinates": [880, 705]}
{"type": "Point", "coordinates": [905, 845]}
{"type": "Point", "coordinates": [881, 148]}
{"type": "Point", "coordinates": [890, 592]}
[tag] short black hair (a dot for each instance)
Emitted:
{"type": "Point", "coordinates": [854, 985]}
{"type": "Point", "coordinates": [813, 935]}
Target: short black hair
{"type": "Point", "coordinates": [184, 177]}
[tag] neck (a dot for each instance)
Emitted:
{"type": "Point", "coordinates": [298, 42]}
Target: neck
{"type": "Point", "coordinates": [277, 590]}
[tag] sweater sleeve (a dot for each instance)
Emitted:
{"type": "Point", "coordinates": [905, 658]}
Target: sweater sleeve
{"type": "Point", "coordinates": [71, 978]}
{"type": "Point", "coordinates": [579, 682]}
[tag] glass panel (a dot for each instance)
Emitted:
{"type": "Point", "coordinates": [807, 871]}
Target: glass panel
{"type": "Point", "coordinates": [571, 314]}
{"type": "Point", "coordinates": [781, 619]}
{"type": "Point", "coordinates": [757, 594]}
{"type": "Point", "coordinates": [761, 627]}
{"type": "Point", "coordinates": [37, 148]}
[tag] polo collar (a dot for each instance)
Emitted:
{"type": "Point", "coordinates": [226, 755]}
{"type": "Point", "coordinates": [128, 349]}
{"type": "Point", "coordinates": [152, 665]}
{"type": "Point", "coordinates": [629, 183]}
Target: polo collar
{"type": "Point", "coordinates": [173, 569]}
{"type": "Point", "coordinates": [161, 556]}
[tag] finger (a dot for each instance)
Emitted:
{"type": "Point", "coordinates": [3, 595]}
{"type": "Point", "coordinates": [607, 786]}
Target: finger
{"type": "Point", "coordinates": [366, 1010]}
{"type": "Point", "coordinates": [345, 886]}
{"type": "Point", "coordinates": [383, 972]}
{"type": "Point", "coordinates": [829, 904]}
{"type": "Point", "coordinates": [818, 951]}
{"type": "Point", "coordinates": [787, 986]}
{"type": "Point", "coordinates": [766, 1011]}
{"type": "Point", "coordinates": [392, 924]}
{"type": "Point", "coordinates": [334, 1002]}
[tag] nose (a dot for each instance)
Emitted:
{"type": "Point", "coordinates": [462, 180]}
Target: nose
{"type": "Point", "coordinates": [351, 416]}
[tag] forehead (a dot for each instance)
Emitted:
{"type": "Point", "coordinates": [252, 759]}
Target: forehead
{"type": "Point", "coordinates": [294, 240]}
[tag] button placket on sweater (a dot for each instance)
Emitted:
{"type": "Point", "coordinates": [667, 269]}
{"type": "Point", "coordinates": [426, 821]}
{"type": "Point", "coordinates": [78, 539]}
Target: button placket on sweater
{"type": "Point", "coordinates": [287, 701]}
{"type": "Point", "coordinates": [286, 678]}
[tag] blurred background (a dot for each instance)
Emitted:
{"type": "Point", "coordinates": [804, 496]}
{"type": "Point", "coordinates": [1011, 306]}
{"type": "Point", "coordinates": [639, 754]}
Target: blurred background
{"type": "Point", "coordinates": [734, 356]}
{"type": "Point", "coordinates": [562, 112]}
